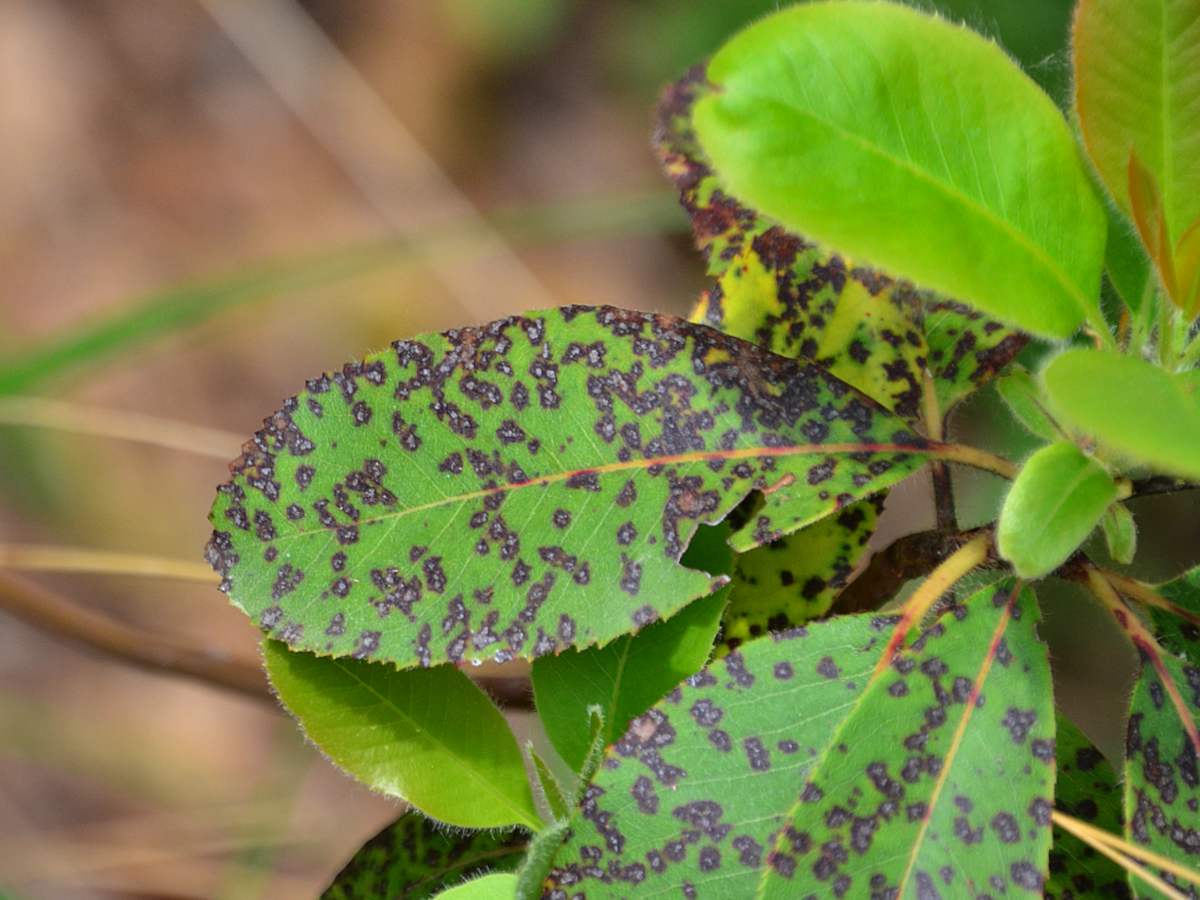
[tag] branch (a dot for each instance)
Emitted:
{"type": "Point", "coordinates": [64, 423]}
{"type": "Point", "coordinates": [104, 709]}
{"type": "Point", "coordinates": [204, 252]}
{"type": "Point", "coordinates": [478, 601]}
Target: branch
{"type": "Point", "coordinates": [165, 655]}
{"type": "Point", "coordinates": [1161, 484]}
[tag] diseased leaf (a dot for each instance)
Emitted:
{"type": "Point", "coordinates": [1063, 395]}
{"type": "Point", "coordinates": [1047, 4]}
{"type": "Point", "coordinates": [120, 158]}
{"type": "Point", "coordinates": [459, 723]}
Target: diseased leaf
{"type": "Point", "coordinates": [797, 578]}
{"type": "Point", "coordinates": [625, 678]}
{"type": "Point", "coordinates": [490, 887]}
{"type": "Point", "coordinates": [1135, 83]}
{"type": "Point", "coordinates": [782, 292]}
{"type": "Point", "coordinates": [1180, 635]}
{"type": "Point", "coordinates": [787, 768]}
{"type": "Point", "coordinates": [1129, 405]}
{"type": "Point", "coordinates": [881, 130]}
{"type": "Point", "coordinates": [1162, 790]}
{"type": "Point", "coordinates": [528, 486]}
{"type": "Point", "coordinates": [414, 858]}
{"type": "Point", "coordinates": [1120, 533]}
{"type": "Point", "coordinates": [1086, 788]}
{"type": "Point", "coordinates": [1057, 499]}
{"type": "Point", "coordinates": [430, 737]}
{"type": "Point", "coordinates": [1023, 398]}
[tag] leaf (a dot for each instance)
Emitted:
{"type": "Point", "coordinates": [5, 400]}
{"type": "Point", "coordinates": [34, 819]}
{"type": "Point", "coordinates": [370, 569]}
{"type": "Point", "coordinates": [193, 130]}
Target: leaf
{"type": "Point", "coordinates": [625, 678]}
{"type": "Point", "coordinates": [1126, 262]}
{"type": "Point", "coordinates": [1162, 791]}
{"type": "Point", "coordinates": [881, 130]}
{"type": "Point", "coordinates": [490, 887]}
{"type": "Point", "coordinates": [549, 789]}
{"type": "Point", "coordinates": [788, 759]}
{"type": "Point", "coordinates": [1023, 398]}
{"type": "Point", "coordinates": [414, 858]}
{"type": "Point", "coordinates": [1120, 533]}
{"type": "Point", "coordinates": [779, 290]}
{"type": "Point", "coordinates": [1129, 405]}
{"type": "Point", "coordinates": [430, 736]}
{"type": "Point", "coordinates": [1087, 789]}
{"type": "Point", "coordinates": [1150, 219]}
{"type": "Point", "coordinates": [1178, 634]}
{"type": "Point", "coordinates": [1187, 270]}
{"type": "Point", "coordinates": [1057, 499]}
{"type": "Point", "coordinates": [797, 578]}
{"type": "Point", "coordinates": [528, 486]}
{"type": "Point", "coordinates": [1135, 88]}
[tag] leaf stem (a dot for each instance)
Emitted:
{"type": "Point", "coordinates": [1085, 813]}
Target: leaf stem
{"type": "Point", "coordinates": [976, 458]}
{"type": "Point", "coordinates": [1118, 850]}
{"type": "Point", "coordinates": [1145, 594]}
{"type": "Point", "coordinates": [952, 569]}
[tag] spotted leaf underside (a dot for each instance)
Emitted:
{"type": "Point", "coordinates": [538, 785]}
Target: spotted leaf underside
{"type": "Point", "coordinates": [791, 769]}
{"type": "Point", "coordinates": [414, 858]}
{"type": "Point", "coordinates": [797, 578]}
{"type": "Point", "coordinates": [530, 485]}
{"type": "Point", "coordinates": [1162, 785]}
{"type": "Point", "coordinates": [790, 296]}
{"type": "Point", "coordinates": [1086, 788]}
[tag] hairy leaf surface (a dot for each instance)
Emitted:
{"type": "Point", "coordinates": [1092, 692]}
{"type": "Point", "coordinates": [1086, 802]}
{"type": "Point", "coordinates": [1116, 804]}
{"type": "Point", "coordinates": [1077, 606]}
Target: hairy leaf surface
{"type": "Point", "coordinates": [530, 485]}
{"type": "Point", "coordinates": [881, 130]}
{"type": "Point", "coordinates": [1162, 787]}
{"type": "Point", "coordinates": [500, 886]}
{"type": "Point", "coordinates": [429, 736]}
{"type": "Point", "coordinates": [415, 858]}
{"type": "Point", "coordinates": [1086, 788]}
{"type": "Point", "coordinates": [791, 767]}
{"type": "Point", "coordinates": [1129, 405]}
{"type": "Point", "coordinates": [1060, 495]}
{"type": "Point", "coordinates": [784, 293]}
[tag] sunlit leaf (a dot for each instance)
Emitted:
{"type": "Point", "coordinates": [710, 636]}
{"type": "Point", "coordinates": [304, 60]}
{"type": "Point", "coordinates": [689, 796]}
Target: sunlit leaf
{"type": "Point", "coordinates": [500, 886]}
{"type": "Point", "coordinates": [1086, 788]}
{"type": "Point", "coordinates": [779, 290]}
{"type": "Point", "coordinates": [1057, 499]}
{"type": "Point", "coordinates": [428, 736]}
{"type": "Point", "coordinates": [529, 486]}
{"type": "Point", "coordinates": [790, 768]}
{"type": "Point", "coordinates": [796, 579]}
{"type": "Point", "coordinates": [415, 858]}
{"type": "Point", "coordinates": [1136, 89]}
{"type": "Point", "coordinates": [1129, 405]}
{"type": "Point", "coordinates": [1162, 789]}
{"type": "Point", "coordinates": [625, 678]}
{"type": "Point", "coordinates": [883, 131]}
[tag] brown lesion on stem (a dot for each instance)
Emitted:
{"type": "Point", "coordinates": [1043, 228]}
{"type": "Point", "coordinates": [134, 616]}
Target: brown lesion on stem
{"type": "Point", "coordinates": [162, 654]}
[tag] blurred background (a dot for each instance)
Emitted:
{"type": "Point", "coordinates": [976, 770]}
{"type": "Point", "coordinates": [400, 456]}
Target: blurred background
{"type": "Point", "coordinates": [205, 202]}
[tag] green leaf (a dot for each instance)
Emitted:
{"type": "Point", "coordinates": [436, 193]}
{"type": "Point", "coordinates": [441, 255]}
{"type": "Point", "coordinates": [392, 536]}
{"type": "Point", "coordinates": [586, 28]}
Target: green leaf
{"type": "Point", "coordinates": [1129, 405]}
{"type": "Point", "coordinates": [881, 131]}
{"type": "Point", "coordinates": [624, 678]}
{"type": "Point", "coordinates": [1181, 635]}
{"type": "Point", "coordinates": [428, 736]}
{"type": "Point", "coordinates": [1023, 398]}
{"type": "Point", "coordinates": [789, 768]}
{"type": "Point", "coordinates": [415, 858]}
{"type": "Point", "coordinates": [1127, 264]}
{"type": "Point", "coordinates": [1162, 791]}
{"type": "Point", "coordinates": [551, 791]}
{"type": "Point", "coordinates": [529, 486]}
{"type": "Point", "coordinates": [1120, 533]}
{"type": "Point", "coordinates": [1086, 788]}
{"type": "Point", "coordinates": [490, 887]}
{"type": "Point", "coordinates": [1057, 499]}
{"type": "Point", "coordinates": [796, 579]}
{"type": "Point", "coordinates": [1135, 90]}
{"type": "Point", "coordinates": [779, 290]}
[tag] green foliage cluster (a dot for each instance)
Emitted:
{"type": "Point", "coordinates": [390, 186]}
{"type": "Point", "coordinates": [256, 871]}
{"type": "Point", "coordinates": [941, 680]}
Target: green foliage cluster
{"type": "Point", "coordinates": [665, 518]}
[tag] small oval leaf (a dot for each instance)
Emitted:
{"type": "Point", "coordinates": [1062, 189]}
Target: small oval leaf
{"type": "Point", "coordinates": [1057, 499]}
{"type": "Point", "coordinates": [1129, 405]}
{"type": "Point", "coordinates": [1120, 533]}
{"type": "Point", "coordinates": [427, 736]}
{"type": "Point", "coordinates": [499, 886]}
{"type": "Point", "coordinates": [913, 145]}
{"type": "Point", "coordinates": [1021, 393]}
